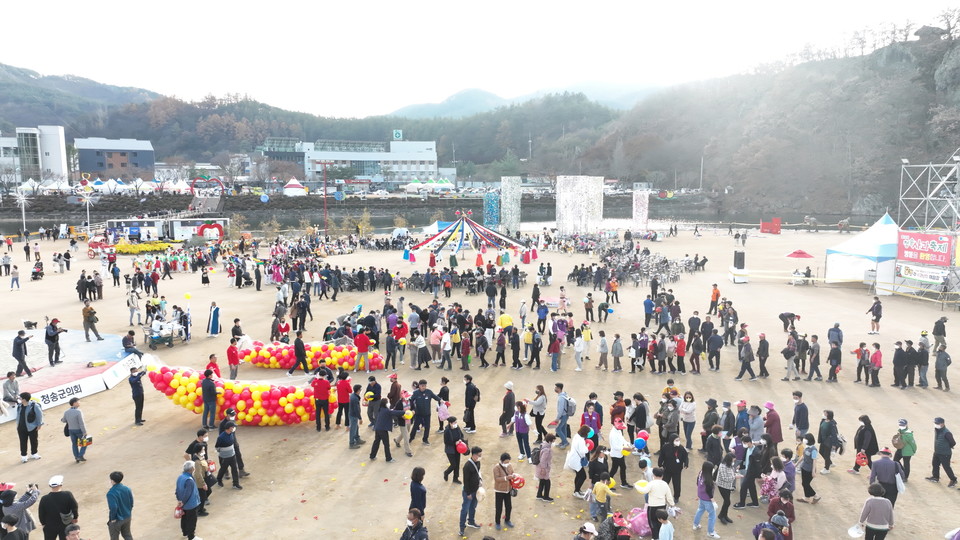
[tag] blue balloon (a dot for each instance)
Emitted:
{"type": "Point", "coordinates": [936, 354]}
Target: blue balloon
{"type": "Point", "coordinates": [639, 444]}
{"type": "Point", "coordinates": [609, 310]}
{"type": "Point", "coordinates": [264, 198]}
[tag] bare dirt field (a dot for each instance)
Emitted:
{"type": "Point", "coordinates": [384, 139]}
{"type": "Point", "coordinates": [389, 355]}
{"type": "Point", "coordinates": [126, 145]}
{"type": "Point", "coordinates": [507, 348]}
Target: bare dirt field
{"type": "Point", "coordinates": [304, 482]}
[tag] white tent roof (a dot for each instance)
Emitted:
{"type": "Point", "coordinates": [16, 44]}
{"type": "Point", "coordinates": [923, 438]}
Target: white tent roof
{"type": "Point", "coordinates": [293, 184]}
{"type": "Point", "coordinates": [878, 243]}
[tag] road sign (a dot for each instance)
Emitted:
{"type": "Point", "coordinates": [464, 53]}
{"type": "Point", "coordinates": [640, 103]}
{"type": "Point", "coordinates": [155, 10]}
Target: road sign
{"type": "Point", "coordinates": [398, 134]}
{"type": "Point", "coordinates": [338, 195]}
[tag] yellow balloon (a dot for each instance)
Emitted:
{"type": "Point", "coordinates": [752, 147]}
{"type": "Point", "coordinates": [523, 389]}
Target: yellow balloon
{"type": "Point", "coordinates": [625, 452]}
{"type": "Point", "coordinates": [174, 382]}
{"type": "Point", "coordinates": [282, 401]}
{"type": "Point", "coordinates": [191, 386]}
{"type": "Point", "coordinates": [256, 397]}
{"type": "Point", "coordinates": [298, 394]}
{"type": "Point", "coordinates": [192, 396]}
{"type": "Point", "coordinates": [241, 405]}
{"type": "Point", "coordinates": [288, 408]}
{"type": "Point", "coordinates": [188, 296]}
{"type": "Point", "coordinates": [228, 385]}
{"type": "Point", "coordinates": [182, 390]}
{"type": "Point", "coordinates": [301, 410]}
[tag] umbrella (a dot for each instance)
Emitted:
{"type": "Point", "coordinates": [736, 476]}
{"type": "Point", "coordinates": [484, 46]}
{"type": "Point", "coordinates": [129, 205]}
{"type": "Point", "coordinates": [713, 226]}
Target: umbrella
{"type": "Point", "coordinates": [799, 254]}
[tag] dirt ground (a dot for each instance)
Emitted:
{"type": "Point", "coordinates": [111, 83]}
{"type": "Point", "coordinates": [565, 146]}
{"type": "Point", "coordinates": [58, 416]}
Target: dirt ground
{"type": "Point", "coordinates": [305, 482]}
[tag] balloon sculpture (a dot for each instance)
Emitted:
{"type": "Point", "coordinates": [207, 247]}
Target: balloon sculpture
{"type": "Point", "coordinates": [517, 482]}
{"type": "Point", "coordinates": [279, 355]}
{"type": "Point", "coordinates": [256, 404]}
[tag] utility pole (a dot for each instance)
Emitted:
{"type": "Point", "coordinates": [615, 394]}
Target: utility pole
{"type": "Point", "coordinates": [529, 146]}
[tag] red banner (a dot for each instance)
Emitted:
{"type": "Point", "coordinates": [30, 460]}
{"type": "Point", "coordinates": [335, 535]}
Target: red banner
{"type": "Point", "coordinates": [924, 248]}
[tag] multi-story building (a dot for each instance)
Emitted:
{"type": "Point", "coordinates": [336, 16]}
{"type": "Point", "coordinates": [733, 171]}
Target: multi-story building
{"type": "Point", "coordinates": [374, 164]}
{"type": "Point", "coordinates": [115, 158]}
{"type": "Point", "coordinates": [39, 153]}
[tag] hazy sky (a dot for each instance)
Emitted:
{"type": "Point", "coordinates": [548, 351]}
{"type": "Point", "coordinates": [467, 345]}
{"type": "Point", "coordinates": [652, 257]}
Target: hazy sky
{"type": "Point", "coordinates": [372, 57]}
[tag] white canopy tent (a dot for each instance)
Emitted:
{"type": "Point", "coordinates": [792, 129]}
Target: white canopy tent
{"type": "Point", "coordinates": [293, 188]}
{"type": "Point", "coordinates": [873, 249]}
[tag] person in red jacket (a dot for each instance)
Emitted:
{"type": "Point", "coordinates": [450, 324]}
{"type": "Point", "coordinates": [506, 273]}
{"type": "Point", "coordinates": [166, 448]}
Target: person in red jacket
{"type": "Point", "coordinates": [233, 358]}
{"type": "Point", "coordinates": [772, 426]}
{"type": "Point", "coordinates": [681, 352]}
{"type": "Point", "coordinates": [213, 366]}
{"type": "Point", "coordinates": [401, 330]}
{"type": "Point", "coordinates": [344, 388]}
{"type": "Point", "coordinates": [321, 398]}
{"type": "Point", "coordinates": [362, 343]}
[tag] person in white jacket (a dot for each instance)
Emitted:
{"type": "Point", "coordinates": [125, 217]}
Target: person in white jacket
{"type": "Point", "coordinates": [619, 444]}
{"type": "Point", "coordinates": [577, 460]}
{"type": "Point", "coordinates": [660, 497]}
{"type": "Point", "coordinates": [579, 345]}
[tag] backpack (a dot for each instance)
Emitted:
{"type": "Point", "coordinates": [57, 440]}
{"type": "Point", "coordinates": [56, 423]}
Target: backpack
{"type": "Point", "coordinates": [897, 441]}
{"type": "Point", "coordinates": [841, 444]}
{"type": "Point", "coordinates": [571, 407]}
{"type": "Point", "coordinates": [535, 456]}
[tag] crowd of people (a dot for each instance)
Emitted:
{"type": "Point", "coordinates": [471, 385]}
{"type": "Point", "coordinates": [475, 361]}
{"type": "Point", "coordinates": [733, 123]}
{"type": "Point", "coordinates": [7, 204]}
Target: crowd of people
{"type": "Point", "coordinates": [637, 442]}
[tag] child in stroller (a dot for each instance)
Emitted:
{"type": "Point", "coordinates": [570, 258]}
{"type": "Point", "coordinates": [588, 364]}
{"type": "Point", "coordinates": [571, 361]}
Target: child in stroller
{"type": "Point", "coordinates": [37, 273]}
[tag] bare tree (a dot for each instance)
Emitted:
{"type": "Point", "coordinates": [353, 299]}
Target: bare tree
{"type": "Point", "coordinates": [950, 19]}
{"type": "Point", "coordinates": [859, 40]}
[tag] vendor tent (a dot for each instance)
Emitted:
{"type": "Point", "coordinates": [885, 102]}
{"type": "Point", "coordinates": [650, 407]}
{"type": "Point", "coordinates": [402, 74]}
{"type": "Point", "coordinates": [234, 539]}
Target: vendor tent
{"type": "Point", "coordinates": [293, 188]}
{"type": "Point", "coordinates": [873, 249]}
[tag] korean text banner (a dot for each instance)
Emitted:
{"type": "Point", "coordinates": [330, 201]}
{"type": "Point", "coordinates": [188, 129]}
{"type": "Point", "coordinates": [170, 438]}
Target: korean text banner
{"type": "Point", "coordinates": [924, 248]}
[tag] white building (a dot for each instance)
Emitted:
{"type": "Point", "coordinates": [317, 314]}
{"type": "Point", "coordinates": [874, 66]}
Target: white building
{"type": "Point", "coordinates": [393, 163]}
{"type": "Point", "coordinates": [39, 153]}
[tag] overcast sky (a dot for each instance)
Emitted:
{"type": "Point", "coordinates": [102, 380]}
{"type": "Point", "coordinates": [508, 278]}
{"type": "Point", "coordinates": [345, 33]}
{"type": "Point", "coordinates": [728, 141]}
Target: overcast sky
{"type": "Point", "coordinates": [372, 57]}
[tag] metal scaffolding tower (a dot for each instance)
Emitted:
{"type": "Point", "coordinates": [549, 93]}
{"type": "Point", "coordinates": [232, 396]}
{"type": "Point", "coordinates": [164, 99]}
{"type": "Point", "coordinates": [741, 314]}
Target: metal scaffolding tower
{"type": "Point", "coordinates": [930, 196]}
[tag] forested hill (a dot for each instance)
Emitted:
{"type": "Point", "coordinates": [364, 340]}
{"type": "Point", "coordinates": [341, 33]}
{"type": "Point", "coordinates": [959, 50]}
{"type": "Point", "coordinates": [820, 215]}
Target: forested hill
{"type": "Point", "coordinates": [820, 136]}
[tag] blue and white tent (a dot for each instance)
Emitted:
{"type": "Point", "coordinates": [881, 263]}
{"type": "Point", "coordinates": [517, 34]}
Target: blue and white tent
{"type": "Point", "coordinates": [873, 249]}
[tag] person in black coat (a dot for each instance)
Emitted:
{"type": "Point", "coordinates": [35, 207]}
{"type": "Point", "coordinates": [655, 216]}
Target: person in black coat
{"type": "Point", "coordinates": [673, 460]}
{"type": "Point", "coordinates": [751, 474]}
{"type": "Point", "coordinates": [420, 403]}
{"type": "Point", "coordinates": [451, 435]}
{"type": "Point", "coordinates": [865, 440]}
{"type": "Point", "coordinates": [471, 397]}
{"type": "Point", "coordinates": [444, 395]}
{"type": "Point", "coordinates": [382, 427]}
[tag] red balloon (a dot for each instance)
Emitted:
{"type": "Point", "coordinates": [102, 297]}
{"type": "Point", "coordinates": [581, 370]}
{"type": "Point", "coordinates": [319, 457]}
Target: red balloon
{"type": "Point", "coordinates": [643, 434]}
{"type": "Point", "coordinates": [590, 445]}
{"type": "Point", "coordinates": [462, 447]}
{"type": "Point", "coordinates": [167, 377]}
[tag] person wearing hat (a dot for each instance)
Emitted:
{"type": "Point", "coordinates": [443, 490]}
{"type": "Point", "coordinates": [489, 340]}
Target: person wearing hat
{"type": "Point", "coordinates": [17, 510]}
{"type": "Point", "coordinates": [943, 443]}
{"type": "Point", "coordinates": [910, 367]}
{"type": "Point", "coordinates": [586, 532]}
{"type": "Point", "coordinates": [228, 455]}
{"type": "Point", "coordinates": [788, 318]}
{"type": "Point", "coordinates": [906, 446]}
{"type": "Point", "coordinates": [940, 333]}
{"type": "Point", "coordinates": [29, 420]}
{"type": "Point", "coordinates": [746, 358]}
{"type": "Point", "coordinates": [52, 339]}
{"type": "Point", "coordinates": [55, 504]}
{"type": "Point", "coordinates": [884, 471]}
{"type": "Point", "coordinates": [899, 365]}
{"type": "Point", "coordinates": [771, 424]}
{"type": "Point", "coordinates": [778, 523]}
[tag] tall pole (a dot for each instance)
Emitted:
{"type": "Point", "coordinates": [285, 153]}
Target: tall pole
{"type": "Point", "coordinates": [87, 204]}
{"type": "Point", "coordinates": [324, 198]}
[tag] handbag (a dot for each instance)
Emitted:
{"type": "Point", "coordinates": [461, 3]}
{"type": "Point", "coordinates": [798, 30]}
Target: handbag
{"type": "Point", "coordinates": [66, 430]}
{"type": "Point", "coordinates": [513, 492]}
{"type": "Point", "coordinates": [67, 518]}
{"type": "Point", "coordinates": [481, 494]}
{"type": "Point", "coordinates": [901, 487]}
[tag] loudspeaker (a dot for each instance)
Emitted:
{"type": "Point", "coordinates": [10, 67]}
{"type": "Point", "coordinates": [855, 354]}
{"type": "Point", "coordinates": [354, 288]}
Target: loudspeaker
{"type": "Point", "coordinates": [739, 260]}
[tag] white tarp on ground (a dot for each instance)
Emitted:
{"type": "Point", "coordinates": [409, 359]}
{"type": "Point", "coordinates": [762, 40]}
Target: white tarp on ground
{"type": "Point", "coordinates": [873, 249]}
{"type": "Point", "coordinates": [436, 227]}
